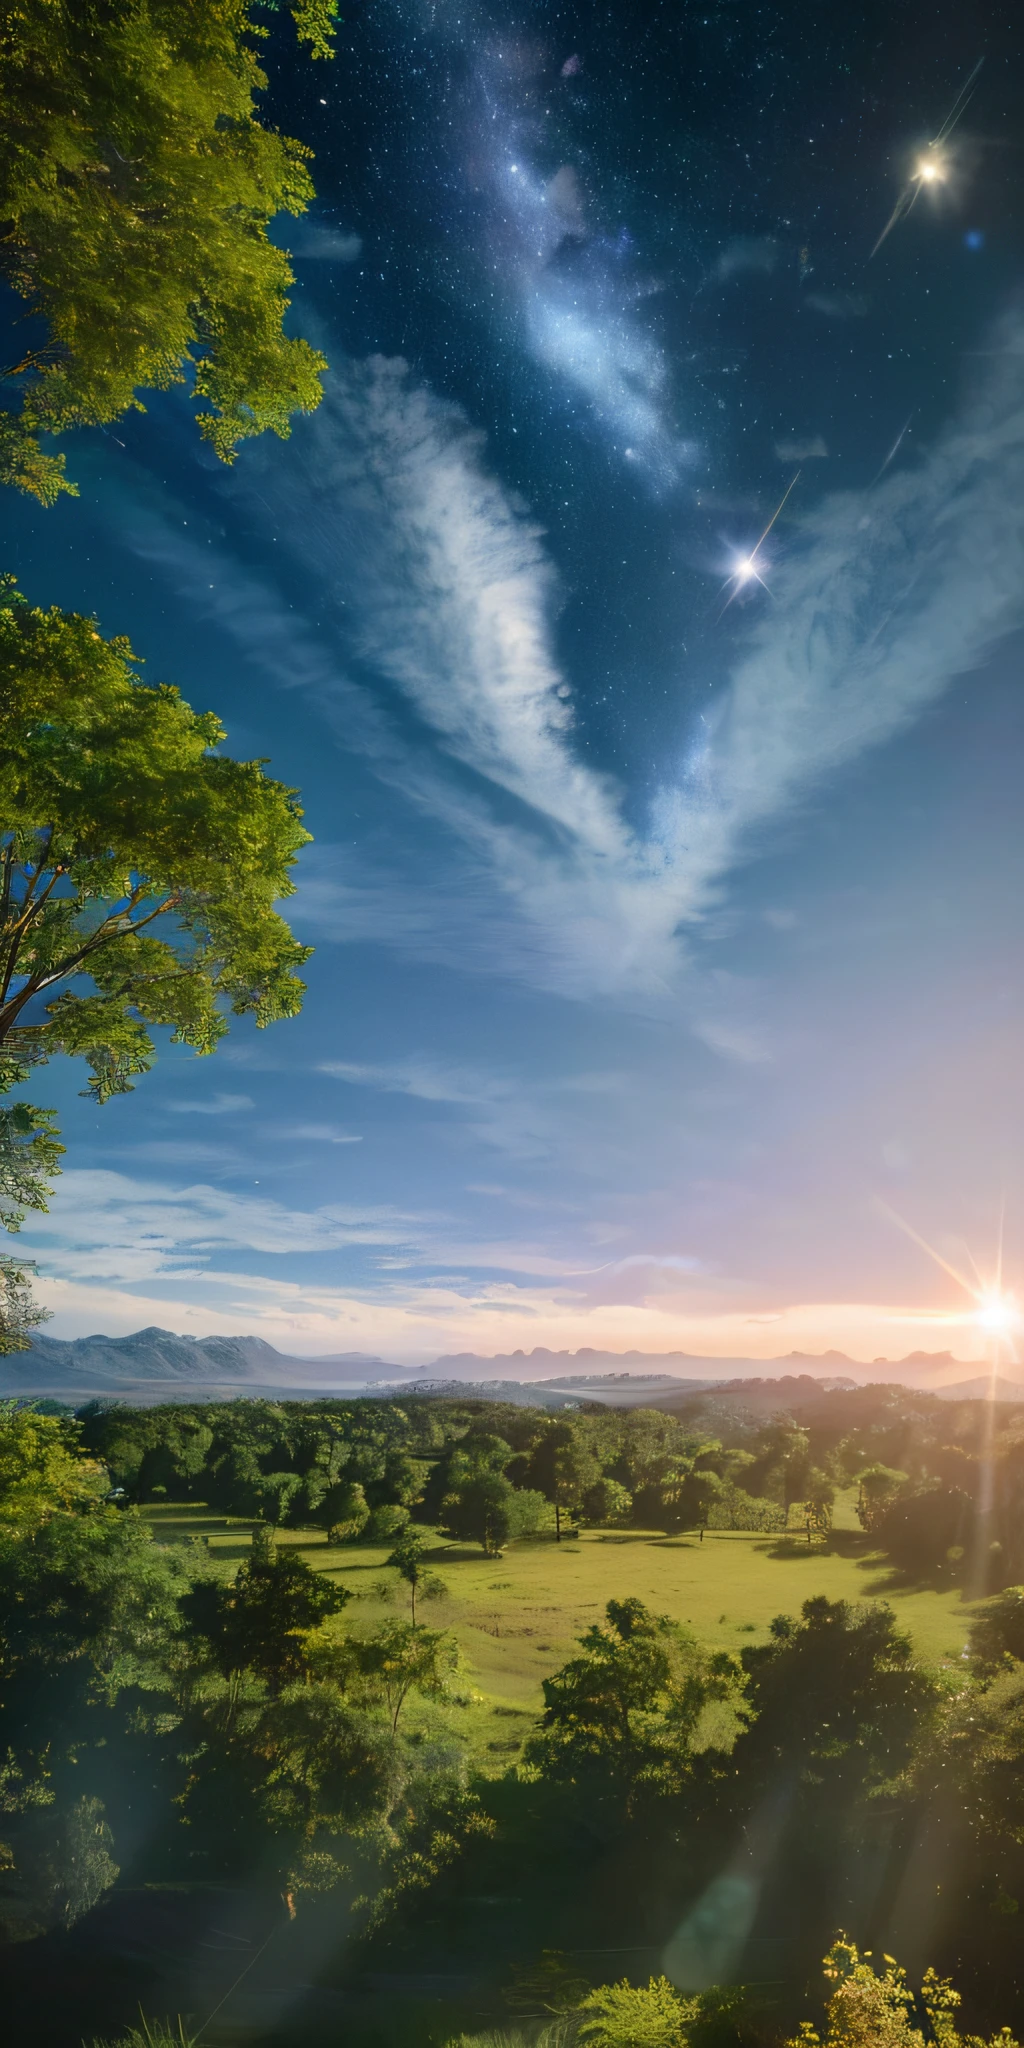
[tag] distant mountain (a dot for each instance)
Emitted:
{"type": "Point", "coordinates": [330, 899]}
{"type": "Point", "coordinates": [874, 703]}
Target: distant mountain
{"type": "Point", "coordinates": [985, 1388]}
{"type": "Point", "coordinates": [160, 1359]}
{"type": "Point", "coordinates": [924, 1369]}
{"type": "Point", "coordinates": [157, 1364]}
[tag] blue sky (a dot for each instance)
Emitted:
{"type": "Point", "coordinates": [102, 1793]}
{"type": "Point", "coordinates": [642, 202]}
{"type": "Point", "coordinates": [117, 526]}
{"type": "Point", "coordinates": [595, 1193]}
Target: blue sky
{"type": "Point", "coordinates": [662, 950]}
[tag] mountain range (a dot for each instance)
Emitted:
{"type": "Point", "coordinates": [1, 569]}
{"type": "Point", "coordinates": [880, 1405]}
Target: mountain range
{"type": "Point", "coordinates": [155, 1364]}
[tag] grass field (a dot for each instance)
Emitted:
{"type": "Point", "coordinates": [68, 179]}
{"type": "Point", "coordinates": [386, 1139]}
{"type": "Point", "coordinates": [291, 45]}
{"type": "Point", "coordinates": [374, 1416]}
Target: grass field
{"type": "Point", "coordinates": [517, 1616]}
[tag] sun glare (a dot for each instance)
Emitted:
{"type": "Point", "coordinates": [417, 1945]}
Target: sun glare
{"type": "Point", "coordinates": [998, 1313]}
{"type": "Point", "coordinates": [930, 170]}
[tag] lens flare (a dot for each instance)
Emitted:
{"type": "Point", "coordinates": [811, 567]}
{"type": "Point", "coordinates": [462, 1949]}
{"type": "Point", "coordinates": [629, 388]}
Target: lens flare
{"type": "Point", "coordinates": [998, 1313]}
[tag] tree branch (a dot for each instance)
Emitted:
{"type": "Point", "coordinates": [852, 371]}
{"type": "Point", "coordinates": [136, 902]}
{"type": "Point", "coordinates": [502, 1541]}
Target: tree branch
{"type": "Point", "coordinates": [37, 983]}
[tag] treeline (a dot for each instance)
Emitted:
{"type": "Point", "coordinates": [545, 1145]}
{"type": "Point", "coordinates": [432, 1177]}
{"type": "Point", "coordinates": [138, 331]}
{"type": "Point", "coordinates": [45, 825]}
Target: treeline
{"type": "Point", "coordinates": [938, 1484]}
{"type": "Point", "coordinates": [481, 1471]}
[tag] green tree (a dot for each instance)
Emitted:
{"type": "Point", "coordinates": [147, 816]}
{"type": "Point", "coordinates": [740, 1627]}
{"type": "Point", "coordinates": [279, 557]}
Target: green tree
{"type": "Point", "coordinates": [607, 1501]}
{"type": "Point", "coordinates": [400, 1659]}
{"type": "Point", "coordinates": [118, 816]}
{"type": "Point", "coordinates": [326, 1768]}
{"type": "Point", "coordinates": [780, 1463]}
{"type": "Point", "coordinates": [136, 187]}
{"type": "Point", "coordinates": [622, 1715]}
{"type": "Point", "coordinates": [838, 1702]}
{"type": "Point", "coordinates": [258, 1623]}
{"type": "Point", "coordinates": [29, 1152]}
{"type": "Point", "coordinates": [562, 1467]}
{"type": "Point", "coordinates": [688, 1497]}
{"type": "Point", "coordinates": [484, 1507]}
{"type": "Point", "coordinates": [878, 1486]}
{"type": "Point", "coordinates": [982, 1751]}
{"type": "Point", "coordinates": [409, 1559]}
{"type": "Point", "coordinates": [343, 1511]}
{"type": "Point", "coordinates": [42, 1472]}
{"type": "Point", "coordinates": [88, 1611]}
{"type": "Point", "coordinates": [997, 1631]}
{"type": "Point", "coordinates": [819, 1500]}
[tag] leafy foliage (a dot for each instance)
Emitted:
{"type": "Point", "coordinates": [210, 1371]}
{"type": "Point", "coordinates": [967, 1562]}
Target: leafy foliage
{"type": "Point", "coordinates": [869, 2009]}
{"type": "Point", "coordinates": [836, 1700]}
{"type": "Point", "coordinates": [42, 1472]}
{"type": "Point", "coordinates": [620, 1718]}
{"type": "Point", "coordinates": [136, 185]}
{"type": "Point", "coordinates": [257, 1623]}
{"type": "Point", "coordinates": [628, 2015]}
{"type": "Point", "coordinates": [117, 815]}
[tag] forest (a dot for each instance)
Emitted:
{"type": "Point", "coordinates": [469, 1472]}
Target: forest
{"type": "Point", "coordinates": [184, 1722]}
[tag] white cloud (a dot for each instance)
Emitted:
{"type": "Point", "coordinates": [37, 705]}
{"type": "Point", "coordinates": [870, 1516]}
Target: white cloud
{"type": "Point", "coordinates": [313, 242]}
{"type": "Point", "coordinates": [110, 1226]}
{"type": "Point", "coordinates": [324, 1134]}
{"type": "Point", "coordinates": [415, 1323]}
{"type": "Point", "coordinates": [213, 1105]}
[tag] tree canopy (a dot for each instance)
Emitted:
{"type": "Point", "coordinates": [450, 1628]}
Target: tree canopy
{"type": "Point", "coordinates": [136, 186]}
{"type": "Point", "coordinates": [118, 814]}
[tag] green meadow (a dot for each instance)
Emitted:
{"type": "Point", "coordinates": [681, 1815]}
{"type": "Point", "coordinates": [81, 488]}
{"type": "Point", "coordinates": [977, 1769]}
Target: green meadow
{"type": "Point", "coordinates": [517, 1616]}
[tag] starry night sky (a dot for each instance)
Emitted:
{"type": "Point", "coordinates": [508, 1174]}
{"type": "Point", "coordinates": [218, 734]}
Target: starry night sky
{"type": "Point", "coordinates": [667, 925]}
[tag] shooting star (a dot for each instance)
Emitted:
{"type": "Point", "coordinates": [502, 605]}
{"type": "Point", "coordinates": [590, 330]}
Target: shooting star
{"type": "Point", "coordinates": [931, 167]}
{"type": "Point", "coordinates": [746, 570]}
{"type": "Point", "coordinates": [905, 429]}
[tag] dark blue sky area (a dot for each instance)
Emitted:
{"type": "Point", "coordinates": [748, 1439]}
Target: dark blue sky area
{"type": "Point", "coordinates": [666, 880]}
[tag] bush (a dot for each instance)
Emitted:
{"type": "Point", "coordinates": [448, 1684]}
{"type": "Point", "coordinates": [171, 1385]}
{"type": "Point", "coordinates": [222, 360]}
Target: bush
{"type": "Point", "coordinates": [386, 1525]}
{"type": "Point", "coordinates": [738, 1510]}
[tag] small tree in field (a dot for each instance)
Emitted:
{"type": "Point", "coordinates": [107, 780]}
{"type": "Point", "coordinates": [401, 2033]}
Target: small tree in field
{"type": "Point", "coordinates": [486, 1508]}
{"type": "Point", "coordinates": [409, 1559]}
{"type": "Point", "coordinates": [877, 1486]}
{"type": "Point", "coordinates": [401, 1659]}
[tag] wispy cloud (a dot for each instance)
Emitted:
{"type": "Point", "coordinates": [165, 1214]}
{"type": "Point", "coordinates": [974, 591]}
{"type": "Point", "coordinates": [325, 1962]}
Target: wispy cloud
{"type": "Point", "coordinates": [323, 1134]}
{"type": "Point", "coordinates": [746, 255]}
{"type": "Point", "coordinates": [889, 595]}
{"type": "Point", "coordinates": [313, 241]}
{"type": "Point", "coordinates": [213, 1105]}
{"type": "Point", "coordinates": [516, 1117]}
{"type": "Point", "coordinates": [386, 502]}
{"type": "Point", "coordinates": [111, 1226]}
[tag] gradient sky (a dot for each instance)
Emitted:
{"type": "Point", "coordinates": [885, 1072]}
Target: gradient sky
{"type": "Point", "coordinates": [661, 950]}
